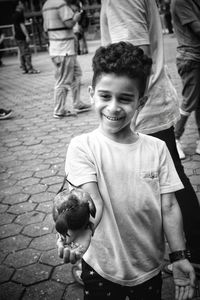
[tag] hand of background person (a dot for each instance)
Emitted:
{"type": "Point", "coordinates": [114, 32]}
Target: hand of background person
{"type": "Point", "coordinates": [27, 39]}
{"type": "Point", "coordinates": [77, 16]}
{"type": "Point", "coordinates": [73, 248]}
{"type": "Point", "coordinates": [184, 279]}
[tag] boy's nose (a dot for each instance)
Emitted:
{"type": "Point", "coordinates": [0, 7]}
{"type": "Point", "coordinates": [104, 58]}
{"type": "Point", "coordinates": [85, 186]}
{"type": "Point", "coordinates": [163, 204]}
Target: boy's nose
{"type": "Point", "coordinates": [113, 106]}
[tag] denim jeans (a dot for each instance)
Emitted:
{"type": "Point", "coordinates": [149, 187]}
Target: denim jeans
{"type": "Point", "coordinates": [186, 197]}
{"type": "Point", "coordinates": [25, 55]}
{"type": "Point", "coordinates": [98, 288]}
{"type": "Point", "coordinates": [189, 72]}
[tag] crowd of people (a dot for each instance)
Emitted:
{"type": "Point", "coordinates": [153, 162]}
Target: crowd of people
{"type": "Point", "coordinates": [149, 198]}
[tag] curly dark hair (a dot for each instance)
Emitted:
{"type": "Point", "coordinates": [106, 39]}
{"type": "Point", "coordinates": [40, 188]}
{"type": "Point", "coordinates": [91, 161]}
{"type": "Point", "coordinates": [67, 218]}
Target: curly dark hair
{"type": "Point", "coordinates": [122, 58]}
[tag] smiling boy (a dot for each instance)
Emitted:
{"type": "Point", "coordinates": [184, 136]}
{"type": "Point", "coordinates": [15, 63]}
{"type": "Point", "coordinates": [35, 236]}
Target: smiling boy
{"type": "Point", "coordinates": [132, 179]}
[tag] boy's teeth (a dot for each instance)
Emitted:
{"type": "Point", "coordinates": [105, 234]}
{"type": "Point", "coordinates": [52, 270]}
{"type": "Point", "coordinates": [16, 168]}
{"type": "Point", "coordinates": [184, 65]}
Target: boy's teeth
{"type": "Point", "coordinates": [112, 118]}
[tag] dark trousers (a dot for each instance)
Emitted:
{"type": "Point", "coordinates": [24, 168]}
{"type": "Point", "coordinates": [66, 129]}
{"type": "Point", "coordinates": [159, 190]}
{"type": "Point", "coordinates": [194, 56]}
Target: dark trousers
{"type": "Point", "coordinates": [98, 288]}
{"type": "Point", "coordinates": [186, 197]}
{"type": "Point", "coordinates": [25, 55]}
{"type": "Point", "coordinates": [189, 72]}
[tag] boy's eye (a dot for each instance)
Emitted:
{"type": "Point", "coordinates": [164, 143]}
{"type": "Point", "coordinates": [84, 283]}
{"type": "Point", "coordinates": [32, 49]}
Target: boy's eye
{"type": "Point", "coordinates": [126, 100]}
{"type": "Point", "coordinates": [105, 96]}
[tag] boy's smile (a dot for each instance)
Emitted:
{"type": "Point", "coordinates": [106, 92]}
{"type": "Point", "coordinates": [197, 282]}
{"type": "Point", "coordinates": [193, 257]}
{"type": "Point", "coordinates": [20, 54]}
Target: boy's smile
{"type": "Point", "coordinates": [116, 100]}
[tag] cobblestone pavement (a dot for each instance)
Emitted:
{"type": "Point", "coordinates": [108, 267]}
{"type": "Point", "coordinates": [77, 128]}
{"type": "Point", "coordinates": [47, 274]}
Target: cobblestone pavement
{"type": "Point", "coordinates": [32, 154]}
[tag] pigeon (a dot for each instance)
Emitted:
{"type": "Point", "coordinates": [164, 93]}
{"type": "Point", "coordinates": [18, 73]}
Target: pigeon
{"type": "Point", "coordinates": [72, 210]}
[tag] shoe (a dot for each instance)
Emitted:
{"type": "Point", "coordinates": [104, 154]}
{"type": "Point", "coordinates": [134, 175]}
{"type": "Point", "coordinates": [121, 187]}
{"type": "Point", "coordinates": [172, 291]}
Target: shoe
{"type": "Point", "coordinates": [65, 114]}
{"type": "Point", "coordinates": [82, 107]}
{"type": "Point", "coordinates": [33, 71]}
{"type": "Point", "coordinates": [197, 151]}
{"type": "Point", "coordinates": [24, 72]}
{"type": "Point", "coordinates": [5, 114]}
{"type": "Point", "coordinates": [180, 150]}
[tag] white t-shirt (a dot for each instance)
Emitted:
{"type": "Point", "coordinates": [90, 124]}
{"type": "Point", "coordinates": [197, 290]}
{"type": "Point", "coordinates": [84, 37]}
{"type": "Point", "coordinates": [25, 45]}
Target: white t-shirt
{"type": "Point", "coordinates": [138, 22]}
{"type": "Point", "coordinates": [128, 244]}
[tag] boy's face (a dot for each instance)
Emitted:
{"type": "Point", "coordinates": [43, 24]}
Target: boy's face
{"type": "Point", "coordinates": [116, 100]}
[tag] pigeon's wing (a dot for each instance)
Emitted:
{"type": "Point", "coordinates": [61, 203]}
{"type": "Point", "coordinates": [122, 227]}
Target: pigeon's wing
{"type": "Point", "coordinates": [58, 202]}
{"type": "Point", "coordinates": [92, 207]}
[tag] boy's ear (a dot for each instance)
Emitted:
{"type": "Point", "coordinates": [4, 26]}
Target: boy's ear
{"type": "Point", "coordinates": [91, 93]}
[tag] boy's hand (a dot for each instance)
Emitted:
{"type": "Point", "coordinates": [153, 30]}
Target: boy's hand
{"type": "Point", "coordinates": [75, 246]}
{"type": "Point", "coordinates": [184, 279]}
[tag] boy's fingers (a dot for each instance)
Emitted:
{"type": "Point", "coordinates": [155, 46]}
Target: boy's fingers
{"type": "Point", "coordinates": [73, 258]}
{"type": "Point", "coordinates": [60, 247]}
{"type": "Point", "coordinates": [66, 255]}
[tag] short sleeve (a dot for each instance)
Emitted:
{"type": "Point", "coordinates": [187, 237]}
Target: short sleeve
{"type": "Point", "coordinates": [168, 177]}
{"type": "Point", "coordinates": [65, 12]}
{"type": "Point", "coordinates": [79, 166]}
{"type": "Point", "coordinates": [185, 12]}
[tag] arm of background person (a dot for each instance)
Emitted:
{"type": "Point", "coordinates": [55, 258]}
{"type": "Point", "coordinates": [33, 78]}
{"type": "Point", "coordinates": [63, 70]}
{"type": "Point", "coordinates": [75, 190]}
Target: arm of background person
{"type": "Point", "coordinates": [25, 31]}
{"type": "Point", "coordinates": [71, 22]}
{"type": "Point", "coordinates": [183, 272]}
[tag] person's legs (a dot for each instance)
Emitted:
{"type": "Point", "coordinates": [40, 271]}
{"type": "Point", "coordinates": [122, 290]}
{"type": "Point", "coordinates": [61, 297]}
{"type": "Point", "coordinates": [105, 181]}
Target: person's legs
{"type": "Point", "coordinates": [21, 47]}
{"type": "Point", "coordinates": [27, 56]}
{"type": "Point", "coordinates": [64, 75]}
{"type": "Point", "coordinates": [76, 83]}
{"type": "Point", "coordinates": [98, 288]}
{"type": "Point", "coordinates": [186, 198]}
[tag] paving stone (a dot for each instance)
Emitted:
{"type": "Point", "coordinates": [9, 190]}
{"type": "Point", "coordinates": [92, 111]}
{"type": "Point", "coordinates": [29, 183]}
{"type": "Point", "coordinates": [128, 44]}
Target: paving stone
{"type": "Point", "coordinates": [74, 292]}
{"type": "Point", "coordinates": [45, 207]}
{"type": "Point", "coordinates": [22, 175]}
{"type": "Point", "coordinates": [3, 208]}
{"type": "Point", "coordinates": [32, 274]}
{"type": "Point", "coordinates": [63, 274]}
{"type": "Point", "coordinates": [6, 218]}
{"type": "Point", "coordinates": [22, 258]}
{"type": "Point", "coordinates": [7, 183]}
{"type": "Point", "coordinates": [45, 173]}
{"type": "Point", "coordinates": [28, 181]}
{"type": "Point", "coordinates": [54, 188]}
{"type": "Point", "coordinates": [194, 180]}
{"type": "Point", "coordinates": [35, 189]}
{"type": "Point", "coordinates": [17, 198]}
{"type": "Point", "coordinates": [51, 258]}
{"type": "Point", "coordinates": [44, 243]}
{"type": "Point", "coordinates": [38, 229]}
{"type": "Point", "coordinates": [47, 290]}
{"type": "Point", "coordinates": [52, 180]}
{"type": "Point", "coordinates": [42, 197]}
{"type": "Point", "coordinates": [9, 230]}
{"type": "Point", "coordinates": [2, 256]}
{"type": "Point", "coordinates": [11, 190]}
{"type": "Point", "coordinates": [5, 273]}
{"type": "Point", "coordinates": [21, 208]}
{"type": "Point", "coordinates": [30, 218]}
{"type": "Point", "coordinates": [14, 243]}
{"type": "Point", "coordinates": [11, 291]}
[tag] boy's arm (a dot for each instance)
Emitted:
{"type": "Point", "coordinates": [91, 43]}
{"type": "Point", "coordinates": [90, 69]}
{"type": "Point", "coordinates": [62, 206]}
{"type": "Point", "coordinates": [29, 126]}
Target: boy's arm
{"type": "Point", "coordinates": [81, 238]}
{"type": "Point", "coordinates": [183, 272]}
